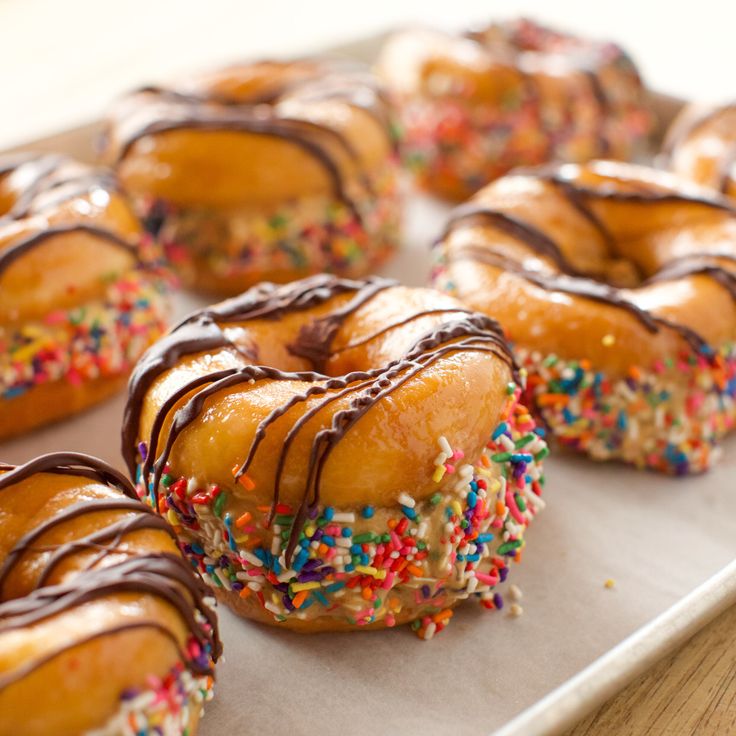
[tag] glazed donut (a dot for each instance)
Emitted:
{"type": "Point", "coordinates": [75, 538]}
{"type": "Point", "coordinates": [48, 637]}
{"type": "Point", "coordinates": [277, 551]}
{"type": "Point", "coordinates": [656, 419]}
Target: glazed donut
{"type": "Point", "coordinates": [701, 145]}
{"type": "Point", "coordinates": [103, 626]}
{"type": "Point", "coordinates": [270, 170]}
{"type": "Point", "coordinates": [337, 454]}
{"type": "Point", "coordinates": [81, 292]}
{"type": "Point", "coordinates": [512, 94]}
{"type": "Point", "coordinates": [616, 284]}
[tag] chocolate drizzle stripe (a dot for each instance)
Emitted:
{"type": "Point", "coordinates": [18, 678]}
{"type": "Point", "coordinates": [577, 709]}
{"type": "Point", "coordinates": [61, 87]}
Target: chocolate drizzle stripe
{"type": "Point", "coordinates": [576, 198]}
{"type": "Point", "coordinates": [698, 267]}
{"type": "Point", "coordinates": [68, 463]}
{"type": "Point", "coordinates": [200, 332]}
{"type": "Point", "coordinates": [315, 340]}
{"type": "Point", "coordinates": [168, 405]}
{"type": "Point", "coordinates": [13, 252]}
{"type": "Point", "coordinates": [394, 325]}
{"type": "Point", "coordinates": [189, 338]}
{"type": "Point", "coordinates": [114, 532]}
{"type": "Point", "coordinates": [641, 196]}
{"type": "Point", "coordinates": [25, 543]}
{"type": "Point", "coordinates": [580, 287]}
{"type": "Point", "coordinates": [298, 132]}
{"type": "Point", "coordinates": [192, 408]}
{"type": "Point", "coordinates": [529, 235]}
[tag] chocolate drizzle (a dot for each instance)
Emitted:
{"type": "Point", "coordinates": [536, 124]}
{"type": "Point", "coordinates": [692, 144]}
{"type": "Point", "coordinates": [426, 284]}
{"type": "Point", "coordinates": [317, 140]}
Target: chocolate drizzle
{"type": "Point", "coordinates": [467, 214]}
{"type": "Point", "coordinates": [15, 251]}
{"type": "Point", "coordinates": [570, 281]}
{"type": "Point", "coordinates": [201, 332]}
{"type": "Point", "coordinates": [163, 575]}
{"type": "Point", "coordinates": [362, 390]}
{"type": "Point", "coordinates": [582, 287]}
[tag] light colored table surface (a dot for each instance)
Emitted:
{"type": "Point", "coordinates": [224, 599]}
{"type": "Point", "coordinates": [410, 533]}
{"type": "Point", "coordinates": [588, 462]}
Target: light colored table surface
{"type": "Point", "coordinates": [64, 61]}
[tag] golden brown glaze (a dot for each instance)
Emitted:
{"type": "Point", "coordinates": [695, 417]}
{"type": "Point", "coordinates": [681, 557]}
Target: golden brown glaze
{"type": "Point", "coordinates": [701, 146]}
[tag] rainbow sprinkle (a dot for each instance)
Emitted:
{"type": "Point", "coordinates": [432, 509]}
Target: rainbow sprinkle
{"type": "Point", "coordinates": [307, 235]}
{"type": "Point", "coordinates": [101, 338]}
{"type": "Point", "coordinates": [456, 144]}
{"type": "Point", "coordinates": [364, 566]}
{"type": "Point", "coordinates": [165, 708]}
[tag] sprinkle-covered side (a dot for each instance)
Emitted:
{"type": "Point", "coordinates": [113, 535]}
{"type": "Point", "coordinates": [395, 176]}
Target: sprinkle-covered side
{"type": "Point", "coordinates": [669, 417]}
{"type": "Point", "coordinates": [470, 145]}
{"type": "Point", "coordinates": [365, 565]}
{"type": "Point", "coordinates": [310, 234]}
{"type": "Point", "coordinates": [99, 339]}
{"type": "Point", "coordinates": [164, 708]}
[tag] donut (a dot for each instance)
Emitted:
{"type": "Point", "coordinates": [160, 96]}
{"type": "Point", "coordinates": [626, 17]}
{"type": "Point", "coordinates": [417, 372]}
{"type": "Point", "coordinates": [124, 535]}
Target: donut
{"type": "Point", "coordinates": [103, 626]}
{"type": "Point", "coordinates": [82, 292]}
{"type": "Point", "coordinates": [337, 454]}
{"type": "Point", "coordinates": [616, 285]}
{"type": "Point", "coordinates": [263, 171]}
{"type": "Point", "coordinates": [473, 106]}
{"type": "Point", "coordinates": [701, 145]}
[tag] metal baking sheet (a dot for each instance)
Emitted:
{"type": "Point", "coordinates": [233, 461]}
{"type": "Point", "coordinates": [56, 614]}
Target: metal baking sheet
{"type": "Point", "coordinates": [669, 545]}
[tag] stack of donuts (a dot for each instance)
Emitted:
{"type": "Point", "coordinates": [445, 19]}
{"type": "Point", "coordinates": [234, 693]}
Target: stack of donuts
{"type": "Point", "coordinates": [82, 292]}
{"type": "Point", "coordinates": [264, 171]}
{"type": "Point", "coordinates": [475, 105]}
{"type": "Point", "coordinates": [328, 450]}
{"type": "Point", "coordinates": [617, 285]}
{"type": "Point", "coordinates": [103, 626]}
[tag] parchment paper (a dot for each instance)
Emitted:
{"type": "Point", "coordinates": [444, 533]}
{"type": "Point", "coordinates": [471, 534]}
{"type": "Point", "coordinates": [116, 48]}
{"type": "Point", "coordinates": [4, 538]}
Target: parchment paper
{"type": "Point", "coordinates": [656, 537]}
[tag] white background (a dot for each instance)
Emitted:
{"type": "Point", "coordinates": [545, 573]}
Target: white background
{"type": "Point", "coordinates": [63, 61]}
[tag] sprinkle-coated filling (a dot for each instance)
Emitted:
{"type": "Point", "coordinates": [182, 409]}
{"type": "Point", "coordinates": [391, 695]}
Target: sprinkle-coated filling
{"type": "Point", "coordinates": [98, 339]}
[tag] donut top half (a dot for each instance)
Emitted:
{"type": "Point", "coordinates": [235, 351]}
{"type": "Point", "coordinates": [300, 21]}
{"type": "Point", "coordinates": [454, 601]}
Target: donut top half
{"type": "Point", "coordinates": [81, 559]}
{"type": "Point", "coordinates": [254, 133]}
{"type": "Point", "coordinates": [65, 231]}
{"type": "Point", "coordinates": [487, 65]}
{"type": "Point", "coordinates": [701, 145]}
{"type": "Point", "coordinates": [566, 254]}
{"type": "Point", "coordinates": [323, 390]}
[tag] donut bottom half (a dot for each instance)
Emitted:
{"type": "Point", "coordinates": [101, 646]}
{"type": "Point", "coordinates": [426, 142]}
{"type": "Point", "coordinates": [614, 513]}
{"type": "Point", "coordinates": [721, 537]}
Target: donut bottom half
{"type": "Point", "coordinates": [224, 252]}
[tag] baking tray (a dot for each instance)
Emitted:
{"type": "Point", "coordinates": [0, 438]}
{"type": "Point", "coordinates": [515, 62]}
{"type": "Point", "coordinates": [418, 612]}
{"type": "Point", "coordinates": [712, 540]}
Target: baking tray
{"type": "Point", "coordinates": [669, 545]}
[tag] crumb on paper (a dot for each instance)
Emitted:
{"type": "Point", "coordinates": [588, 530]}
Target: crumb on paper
{"type": "Point", "coordinates": [515, 593]}
{"type": "Point", "coordinates": [610, 583]}
{"type": "Point", "coordinates": [515, 610]}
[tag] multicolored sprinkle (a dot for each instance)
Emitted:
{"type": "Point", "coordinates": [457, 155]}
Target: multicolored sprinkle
{"type": "Point", "coordinates": [454, 142]}
{"type": "Point", "coordinates": [164, 708]}
{"type": "Point", "coordinates": [307, 235]}
{"type": "Point", "coordinates": [102, 338]}
{"type": "Point", "coordinates": [669, 417]}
